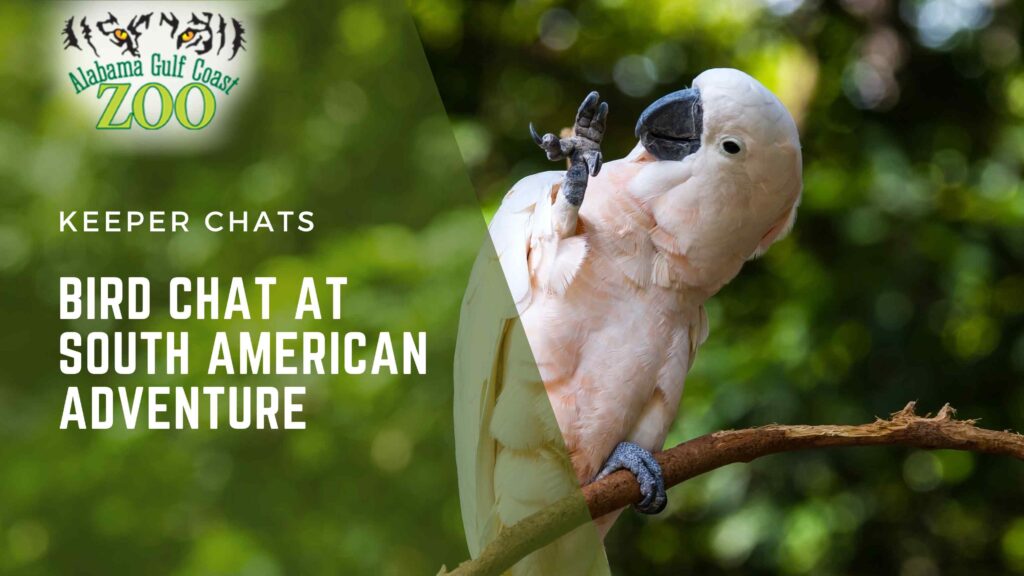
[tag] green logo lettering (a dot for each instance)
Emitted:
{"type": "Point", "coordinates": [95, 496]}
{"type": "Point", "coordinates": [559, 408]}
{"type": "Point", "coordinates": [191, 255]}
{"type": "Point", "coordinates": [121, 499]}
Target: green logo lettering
{"type": "Point", "coordinates": [181, 106]}
{"type": "Point", "coordinates": [107, 117]}
{"type": "Point", "coordinates": [139, 106]}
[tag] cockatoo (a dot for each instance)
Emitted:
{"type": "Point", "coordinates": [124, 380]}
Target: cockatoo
{"type": "Point", "coordinates": [608, 268]}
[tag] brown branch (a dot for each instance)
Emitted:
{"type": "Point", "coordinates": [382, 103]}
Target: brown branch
{"type": "Point", "coordinates": [712, 451]}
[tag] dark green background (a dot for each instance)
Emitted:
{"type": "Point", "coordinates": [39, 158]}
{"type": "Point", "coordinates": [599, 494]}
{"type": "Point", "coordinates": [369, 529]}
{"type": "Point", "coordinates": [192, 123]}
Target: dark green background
{"type": "Point", "coordinates": [342, 117]}
{"type": "Point", "coordinates": [904, 279]}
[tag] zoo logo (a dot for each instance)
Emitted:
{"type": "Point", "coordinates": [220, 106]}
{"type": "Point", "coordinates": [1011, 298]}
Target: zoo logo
{"type": "Point", "coordinates": [202, 37]}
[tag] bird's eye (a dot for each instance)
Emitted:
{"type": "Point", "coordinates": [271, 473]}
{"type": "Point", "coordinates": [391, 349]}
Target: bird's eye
{"type": "Point", "coordinates": [731, 146]}
{"type": "Point", "coordinates": [120, 34]}
{"type": "Point", "coordinates": [187, 35]}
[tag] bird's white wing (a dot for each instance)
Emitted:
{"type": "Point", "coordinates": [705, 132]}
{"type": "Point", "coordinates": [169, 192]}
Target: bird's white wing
{"type": "Point", "coordinates": [523, 212]}
{"type": "Point", "coordinates": [484, 327]}
{"type": "Point", "coordinates": [511, 458]}
{"type": "Point", "coordinates": [530, 240]}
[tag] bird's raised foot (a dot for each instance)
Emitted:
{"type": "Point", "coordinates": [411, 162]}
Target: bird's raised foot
{"type": "Point", "coordinates": [629, 456]}
{"type": "Point", "coordinates": [583, 148]}
{"type": "Point", "coordinates": [587, 134]}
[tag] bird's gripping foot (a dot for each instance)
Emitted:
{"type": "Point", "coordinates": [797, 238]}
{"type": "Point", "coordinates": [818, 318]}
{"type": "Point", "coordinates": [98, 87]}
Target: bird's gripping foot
{"type": "Point", "coordinates": [629, 456]}
{"type": "Point", "coordinates": [583, 148]}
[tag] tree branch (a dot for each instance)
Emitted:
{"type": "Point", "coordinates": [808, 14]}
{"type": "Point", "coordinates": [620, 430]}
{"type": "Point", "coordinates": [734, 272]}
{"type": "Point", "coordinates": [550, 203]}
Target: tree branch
{"type": "Point", "coordinates": [706, 453]}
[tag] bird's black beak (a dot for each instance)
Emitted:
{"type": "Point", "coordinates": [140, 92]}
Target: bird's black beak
{"type": "Point", "coordinates": [670, 128]}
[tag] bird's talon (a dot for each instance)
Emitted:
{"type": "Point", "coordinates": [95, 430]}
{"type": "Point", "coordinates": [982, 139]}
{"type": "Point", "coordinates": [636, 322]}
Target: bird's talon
{"type": "Point", "coordinates": [593, 162]}
{"type": "Point", "coordinates": [588, 108]}
{"type": "Point", "coordinates": [553, 147]}
{"type": "Point", "coordinates": [590, 119]}
{"type": "Point", "coordinates": [536, 137]}
{"type": "Point", "coordinates": [643, 465]}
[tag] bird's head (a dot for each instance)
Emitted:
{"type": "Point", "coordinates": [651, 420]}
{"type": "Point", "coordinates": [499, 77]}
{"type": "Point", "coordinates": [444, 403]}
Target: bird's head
{"type": "Point", "coordinates": [722, 173]}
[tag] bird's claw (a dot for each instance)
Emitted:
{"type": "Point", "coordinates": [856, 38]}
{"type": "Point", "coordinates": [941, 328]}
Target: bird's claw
{"type": "Point", "coordinates": [590, 119]}
{"type": "Point", "coordinates": [593, 160]}
{"type": "Point", "coordinates": [583, 148]}
{"type": "Point", "coordinates": [643, 465]}
{"type": "Point", "coordinates": [553, 146]}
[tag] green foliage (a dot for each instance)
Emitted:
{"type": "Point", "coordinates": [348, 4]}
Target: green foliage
{"type": "Point", "coordinates": [343, 119]}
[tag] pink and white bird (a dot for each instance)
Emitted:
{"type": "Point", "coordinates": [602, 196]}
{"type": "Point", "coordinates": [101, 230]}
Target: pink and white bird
{"type": "Point", "coordinates": [609, 267]}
